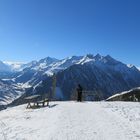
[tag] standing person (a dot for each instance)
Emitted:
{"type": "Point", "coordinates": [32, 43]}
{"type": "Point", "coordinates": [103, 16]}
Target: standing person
{"type": "Point", "coordinates": [79, 93]}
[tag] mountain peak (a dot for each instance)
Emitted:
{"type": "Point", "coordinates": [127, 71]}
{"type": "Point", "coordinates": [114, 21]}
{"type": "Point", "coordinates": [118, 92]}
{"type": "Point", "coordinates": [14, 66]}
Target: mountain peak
{"type": "Point", "coordinates": [132, 67]}
{"type": "Point", "coordinates": [98, 57]}
{"type": "Point", "coordinates": [90, 56]}
{"type": "Point", "coordinates": [48, 60]}
{"type": "Point", "coordinates": [108, 57]}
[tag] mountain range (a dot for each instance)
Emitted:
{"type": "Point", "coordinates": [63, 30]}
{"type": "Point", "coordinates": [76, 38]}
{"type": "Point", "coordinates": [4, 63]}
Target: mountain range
{"type": "Point", "coordinates": [96, 73]}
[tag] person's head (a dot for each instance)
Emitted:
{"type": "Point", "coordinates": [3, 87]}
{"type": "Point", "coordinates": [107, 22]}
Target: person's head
{"type": "Point", "coordinates": [79, 85]}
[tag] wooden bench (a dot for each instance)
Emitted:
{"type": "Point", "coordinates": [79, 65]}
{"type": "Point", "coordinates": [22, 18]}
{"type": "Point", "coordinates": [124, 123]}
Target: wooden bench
{"type": "Point", "coordinates": [42, 102]}
{"type": "Point", "coordinates": [35, 100]}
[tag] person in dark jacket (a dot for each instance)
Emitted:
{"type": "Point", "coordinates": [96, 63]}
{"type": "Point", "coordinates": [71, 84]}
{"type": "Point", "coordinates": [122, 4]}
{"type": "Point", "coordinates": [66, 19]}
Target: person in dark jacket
{"type": "Point", "coordinates": [79, 93]}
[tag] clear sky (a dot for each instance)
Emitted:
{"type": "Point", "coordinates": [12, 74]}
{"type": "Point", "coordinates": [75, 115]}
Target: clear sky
{"type": "Point", "coordinates": [34, 29]}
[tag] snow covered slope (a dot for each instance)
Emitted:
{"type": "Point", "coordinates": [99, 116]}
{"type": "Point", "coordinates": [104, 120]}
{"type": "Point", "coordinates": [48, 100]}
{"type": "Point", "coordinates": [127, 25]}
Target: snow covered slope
{"type": "Point", "coordinates": [131, 95]}
{"type": "Point", "coordinates": [9, 92]}
{"type": "Point", "coordinates": [72, 121]}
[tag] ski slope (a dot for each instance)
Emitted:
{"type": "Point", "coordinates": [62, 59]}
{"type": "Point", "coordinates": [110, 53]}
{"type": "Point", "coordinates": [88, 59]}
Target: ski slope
{"type": "Point", "coordinates": [72, 121]}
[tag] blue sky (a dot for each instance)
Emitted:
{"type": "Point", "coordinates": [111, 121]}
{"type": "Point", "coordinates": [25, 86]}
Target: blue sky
{"type": "Point", "coordinates": [34, 29]}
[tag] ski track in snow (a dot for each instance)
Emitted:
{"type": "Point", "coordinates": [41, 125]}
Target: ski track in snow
{"type": "Point", "coordinates": [72, 121]}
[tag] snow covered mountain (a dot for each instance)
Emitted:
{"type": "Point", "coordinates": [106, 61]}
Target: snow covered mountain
{"type": "Point", "coordinates": [9, 92]}
{"type": "Point", "coordinates": [97, 73]}
{"type": "Point", "coordinates": [38, 70]}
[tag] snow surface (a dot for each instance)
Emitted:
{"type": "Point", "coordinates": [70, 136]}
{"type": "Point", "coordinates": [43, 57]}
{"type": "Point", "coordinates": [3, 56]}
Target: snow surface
{"type": "Point", "coordinates": [72, 121]}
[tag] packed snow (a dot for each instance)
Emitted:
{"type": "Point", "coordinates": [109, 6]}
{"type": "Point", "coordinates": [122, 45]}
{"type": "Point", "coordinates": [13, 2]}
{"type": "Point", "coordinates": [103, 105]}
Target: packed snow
{"type": "Point", "coordinates": [72, 121]}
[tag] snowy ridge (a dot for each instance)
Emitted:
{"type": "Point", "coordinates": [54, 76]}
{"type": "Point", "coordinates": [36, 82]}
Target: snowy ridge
{"type": "Point", "coordinates": [123, 93]}
{"type": "Point", "coordinates": [50, 65]}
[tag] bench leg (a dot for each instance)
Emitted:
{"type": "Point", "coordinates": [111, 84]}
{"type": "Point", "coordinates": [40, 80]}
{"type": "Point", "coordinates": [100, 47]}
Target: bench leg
{"type": "Point", "coordinates": [47, 103]}
{"type": "Point", "coordinates": [29, 105]}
